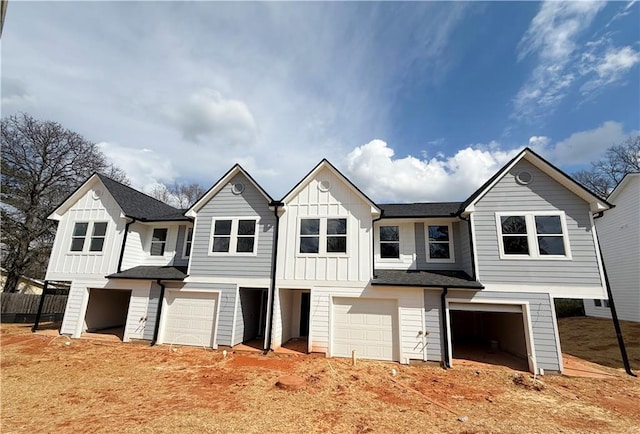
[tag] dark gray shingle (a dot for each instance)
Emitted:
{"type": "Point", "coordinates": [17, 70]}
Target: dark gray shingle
{"type": "Point", "coordinates": [148, 272]}
{"type": "Point", "coordinates": [424, 209]}
{"type": "Point", "coordinates": [420, 278]}
{"type": "Point", "coordinates": [140, 206]}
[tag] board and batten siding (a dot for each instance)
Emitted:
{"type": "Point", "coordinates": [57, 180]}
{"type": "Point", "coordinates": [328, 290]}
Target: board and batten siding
{"type": "Point", "coordinates": [543, 322]}
{"type": "Point", "coordinates": [542, 194]}
{"type": "Point", "coordinates": [227, 307]}
{"type": "Point", "coordinates": [410, 316]}
{"type": "Point", "coordinates": [340, 201]}
{"type": "Point", "coordinates": [619, 235]}
{"type": "Point", "coordinates": [97, 205]}
{"type": "Point", "coordinates": [250, 203]}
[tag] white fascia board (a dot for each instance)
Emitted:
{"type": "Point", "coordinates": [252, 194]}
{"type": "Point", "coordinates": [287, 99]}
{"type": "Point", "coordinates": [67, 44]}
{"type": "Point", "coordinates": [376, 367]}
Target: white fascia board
{"type": "Point", "coordinates": [191, 212]}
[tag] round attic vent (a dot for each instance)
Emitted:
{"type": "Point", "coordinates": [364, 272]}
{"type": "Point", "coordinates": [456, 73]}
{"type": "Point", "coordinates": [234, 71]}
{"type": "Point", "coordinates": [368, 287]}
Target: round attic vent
{"type": "Point", "coordinates": [324, 185]}
{"type": "Point", "coordinates": [237, 188]}
{"type": "Point", "coordinates": [97, 194]}
{"type": "Point", "coordinates": [524, 177]}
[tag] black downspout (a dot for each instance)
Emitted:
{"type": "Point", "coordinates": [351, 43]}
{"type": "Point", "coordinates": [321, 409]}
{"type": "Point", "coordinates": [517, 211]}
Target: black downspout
{"type": "Point", "coordinates": [40, 306]}
{"type": "Point", "coordinates": [445, 330]}
{"type": "Point", "coordinates": [373, 245]}
{"type": "Point", "coordinates": [124, 242]}
{"type": "Point", "coordinates": [156, 326]}
{"type": "Point", "coordinates": [614, 317]}
{"type": "Point", "coordinates": [274, 258]}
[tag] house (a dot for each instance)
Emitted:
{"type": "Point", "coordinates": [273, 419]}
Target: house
{"type": "Point", "coordinates": [26, 285]}
{"type": "Point", "coordinates": [619, 233]}
{"type": "Point", "coordinates": [224, 298]}
{"type": "Point", "coordinates": [328, 266]}
{"type": "Point", "coordinates": [118, 248]}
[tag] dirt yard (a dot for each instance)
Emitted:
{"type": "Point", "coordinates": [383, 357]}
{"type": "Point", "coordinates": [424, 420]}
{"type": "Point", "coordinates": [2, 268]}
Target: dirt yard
{"type": "Point", "coordinates": [100, 386]}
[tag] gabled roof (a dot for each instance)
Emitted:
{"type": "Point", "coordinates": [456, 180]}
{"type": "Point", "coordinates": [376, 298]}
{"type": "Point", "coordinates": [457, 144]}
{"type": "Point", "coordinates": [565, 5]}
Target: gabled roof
{"type": "Point", "coordinates": [132, 202]}
{"type": "Point", "coordinates": [326, 164]}
{"type": "Point", "coordinates": [419, 210]}
{"type": "Point", "coordinates": [596, 202]}
{"type": "Point", "coordinates": [191, 212]}
{"type": "Point", "coordinates": [626, 179]}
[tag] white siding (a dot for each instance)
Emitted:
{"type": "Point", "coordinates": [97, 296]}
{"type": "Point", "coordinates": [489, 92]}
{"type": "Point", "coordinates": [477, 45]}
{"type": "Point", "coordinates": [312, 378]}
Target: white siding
{"type": "Point", "coordinates": [619, 235]}
{"type": "Point", "coordinates": [138, 244]}
{"type": "Point", "coordinates": [97, 205]}
{"type": "Point", "coordinates": [339, 202]}
{"type": "Point", "coordinates": [407, 259]}
{"type": "Point", "coordinates": [410, 316]}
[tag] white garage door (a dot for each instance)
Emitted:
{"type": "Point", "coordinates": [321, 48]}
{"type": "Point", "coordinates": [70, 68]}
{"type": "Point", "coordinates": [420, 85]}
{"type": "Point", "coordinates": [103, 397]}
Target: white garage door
{"type": "Point", "coordinates": [365, 325]}
{"type": "Point", "coordinates": [191, 318]}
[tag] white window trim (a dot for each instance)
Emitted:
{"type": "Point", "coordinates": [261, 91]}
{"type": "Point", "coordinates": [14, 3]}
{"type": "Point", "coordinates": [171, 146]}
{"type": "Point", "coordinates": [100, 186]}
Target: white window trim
{"type": "Point", "coordinates": [184, 246]}
{"type": "Point", "coordinates": [233, 236]}
{"type": "Point", "coordinates": [532, 236]}
{"type": "Point", "coordinates": [87, 238]}
{"type": "Point", "coordinates": [379, 242]}
{"type": "Point", "coordinates": [452, 253]}
{"type": "Point", "coordinates": [166, 242]}
{"type": "Point", "coordinates": [322, 237]}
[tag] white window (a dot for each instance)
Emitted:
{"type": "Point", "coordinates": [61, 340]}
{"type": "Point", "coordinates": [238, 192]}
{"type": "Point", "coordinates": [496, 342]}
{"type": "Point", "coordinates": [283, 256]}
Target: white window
{"type": "Point", "coordinates": [323, 236]}
{"type": "Point", "coordinates": [80, 231]}
{"type": "Point", "coordinates": [158, 241]}
{"type": "Point", "coordinates": [235, 236]}
{"type": "Point", "coordinates": [541, 235]}
{"type": "Point", "coordinates": [440, 243]}
{"type": "Point", "coordinates": [390, 242]}
{"type": "Point", "coordinates": [188, 240]}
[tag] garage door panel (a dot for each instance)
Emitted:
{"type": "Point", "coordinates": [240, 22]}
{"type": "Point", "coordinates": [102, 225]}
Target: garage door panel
{"type": "Point", "coordinates": [367, 326]}
{"type": "Point", "coordinates": [190, 318]}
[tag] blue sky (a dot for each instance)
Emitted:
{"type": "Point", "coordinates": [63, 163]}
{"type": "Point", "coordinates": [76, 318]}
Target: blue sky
{"type": "Point", "coordinates": [412, 101]}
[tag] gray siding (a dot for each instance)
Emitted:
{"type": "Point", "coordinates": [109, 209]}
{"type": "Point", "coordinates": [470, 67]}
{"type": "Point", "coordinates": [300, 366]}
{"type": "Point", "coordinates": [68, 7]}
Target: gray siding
{"type": "Point", "coordinates": [433, 325]}
{"type": "Point", "coordinates": [226, 204]}
{"type": "Point", "coordinates": [543, 194]}
{"type": "Point", "coordinates": [543, 323]}
{"type": "Point", "coordinates": [227, 303]}
{"type": "Point", "coordinates": [421, 249]}
{"type": "Point", "coordinates": [152, 311]}
{"type": "Point", "coordinates": [464, 257]}
{"type": "Point", "coordinates": [177, 259]}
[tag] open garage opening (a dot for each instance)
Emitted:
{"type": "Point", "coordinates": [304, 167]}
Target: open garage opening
{"type": "Point", "coordinates": [496, 338]}
{"type": "Point", "coordinates": [107, 312]}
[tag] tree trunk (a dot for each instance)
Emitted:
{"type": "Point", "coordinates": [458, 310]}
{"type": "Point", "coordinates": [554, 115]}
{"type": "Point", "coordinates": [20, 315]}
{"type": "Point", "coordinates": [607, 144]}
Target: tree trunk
{"type": "Point", "coordinates": [11, 284]}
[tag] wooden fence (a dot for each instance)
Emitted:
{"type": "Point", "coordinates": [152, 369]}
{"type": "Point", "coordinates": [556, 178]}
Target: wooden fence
{"type": "Point", "coordinates": [23, 308]}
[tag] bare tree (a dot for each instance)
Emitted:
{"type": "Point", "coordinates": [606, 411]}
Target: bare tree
{"type": "Point", "coordinates": [180, 195]}
{"type": "Point", "coordinates": [42, 163]}
{"type": "Point", "coordinates": [607, 172]}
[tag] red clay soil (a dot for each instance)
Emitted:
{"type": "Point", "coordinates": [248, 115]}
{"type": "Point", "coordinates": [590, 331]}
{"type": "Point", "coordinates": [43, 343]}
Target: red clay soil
{"type": "Point", "coordinates": [105, 387]}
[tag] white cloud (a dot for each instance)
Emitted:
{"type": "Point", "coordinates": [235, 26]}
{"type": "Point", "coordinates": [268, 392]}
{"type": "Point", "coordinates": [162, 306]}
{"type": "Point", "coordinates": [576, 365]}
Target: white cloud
{"type": "Point", "coordinates": [552, 38]}
{"type": "Point", "coordinates": [584, 146]}
{"type": "Point", "coordinates": [387, 179]}
{"type": "Point", "coordinates": [206, 115]}
{"type": "Point", "coordinates": [610, 68]}
{"type": "Point", "coordinates": [145, 168]}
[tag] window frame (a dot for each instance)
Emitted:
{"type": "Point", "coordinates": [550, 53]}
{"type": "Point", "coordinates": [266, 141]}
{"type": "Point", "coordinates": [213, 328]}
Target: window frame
{"type": "Point", "coordinates": [532, 235]}
{"type": "Point", "coordinates": [165, 242]}
{"type": "Point", "coordinates": [95, 237]}
{"type": "Point", "coordinates": [186, 252]}
{"type": "Point", "coordinates": [452, 254]}
{"type": "Point", "coordinates": [88, 237]}
{"type": "Point", "coordinates": [323, 236]}
{"type": "Point", "coordinates": [380, 242]}
{"type": "Point", "coordinates": [233, 236]}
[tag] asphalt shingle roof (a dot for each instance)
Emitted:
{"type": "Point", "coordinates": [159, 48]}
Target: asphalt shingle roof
{"type": "Point", "coordinates": [148, 272]}
{"type": "Point", "coordinates": [420, 278]}
{"type": "Point", "coordinates": [424, 209]}
{"type": "Point", "coordinates": [140, 206]}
